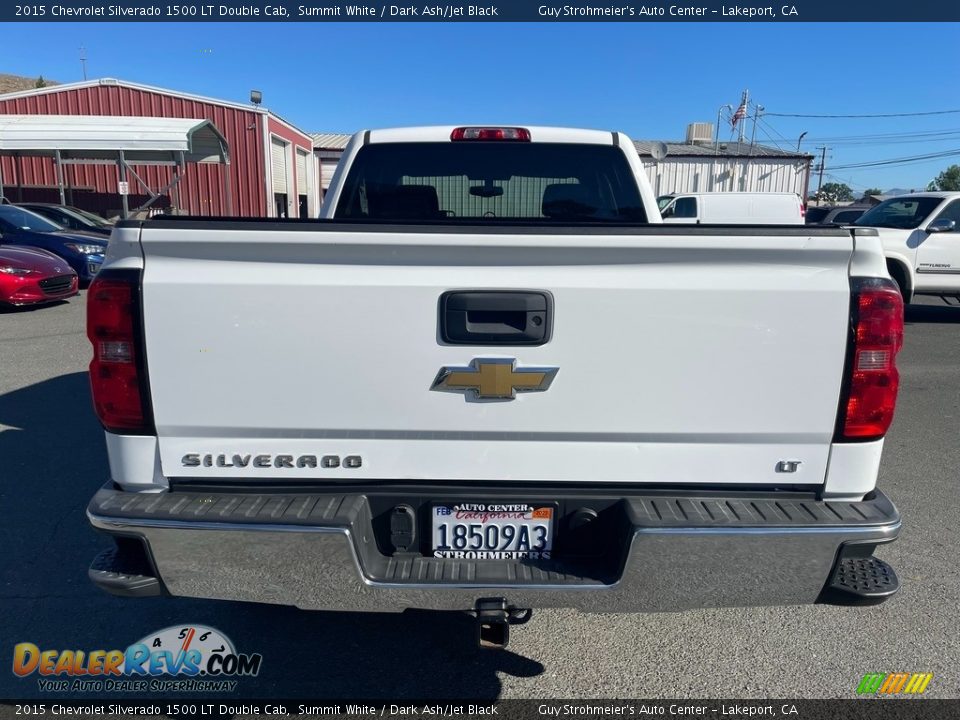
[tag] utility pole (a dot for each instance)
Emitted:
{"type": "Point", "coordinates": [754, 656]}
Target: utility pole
{"type": "Point", "coordinates": [83, 61]}
{"type": "Point", "coordinates": [729, 107]}
{"type": "Point", "coordinates": [823, 159]}
{"type": "Point", "coordinates": [753, 134]}
{"type": "Point", "coordinates": [744, 100]}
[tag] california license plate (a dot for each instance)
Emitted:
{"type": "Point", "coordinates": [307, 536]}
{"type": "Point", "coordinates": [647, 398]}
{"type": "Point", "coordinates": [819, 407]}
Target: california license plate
{"type": "Point", "coordinates": [493, 531]}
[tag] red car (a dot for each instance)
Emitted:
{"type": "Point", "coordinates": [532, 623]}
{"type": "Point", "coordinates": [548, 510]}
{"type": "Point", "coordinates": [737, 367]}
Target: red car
{"type": "Point", "coordinates": [30, 276]}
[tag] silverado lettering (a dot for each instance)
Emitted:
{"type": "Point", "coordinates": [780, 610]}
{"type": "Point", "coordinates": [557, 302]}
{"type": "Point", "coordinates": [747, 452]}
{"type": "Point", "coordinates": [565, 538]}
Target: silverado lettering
{"type": "Point", "coordinates": [265, 461]}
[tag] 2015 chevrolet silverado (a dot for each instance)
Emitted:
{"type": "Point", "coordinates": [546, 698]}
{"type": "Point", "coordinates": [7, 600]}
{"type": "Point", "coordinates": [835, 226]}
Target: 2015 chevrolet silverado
{"type": "Point", "coordinates": [489, 379]}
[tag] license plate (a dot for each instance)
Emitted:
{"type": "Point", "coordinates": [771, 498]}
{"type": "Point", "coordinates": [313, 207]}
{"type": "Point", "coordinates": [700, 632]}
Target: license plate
{"type": "Point", "coordinates": [493, 531]}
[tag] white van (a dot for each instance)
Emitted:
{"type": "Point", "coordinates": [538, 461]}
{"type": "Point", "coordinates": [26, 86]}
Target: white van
{"type": "Point", "coordinates": [732, 208]}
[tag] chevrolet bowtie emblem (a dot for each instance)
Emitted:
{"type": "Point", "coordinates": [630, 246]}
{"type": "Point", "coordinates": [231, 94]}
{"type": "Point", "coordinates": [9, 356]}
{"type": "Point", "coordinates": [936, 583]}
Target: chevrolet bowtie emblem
{"type": "Point", "coordinates": [490, 379]}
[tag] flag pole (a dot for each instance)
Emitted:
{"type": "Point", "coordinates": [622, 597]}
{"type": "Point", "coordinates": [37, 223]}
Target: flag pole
{"type": "Point", "coordinates": [744, 99]}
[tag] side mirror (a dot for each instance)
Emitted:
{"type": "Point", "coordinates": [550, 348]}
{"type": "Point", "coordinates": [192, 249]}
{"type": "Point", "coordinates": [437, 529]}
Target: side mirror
{"type": "Point", "coordinates": [942, 225]}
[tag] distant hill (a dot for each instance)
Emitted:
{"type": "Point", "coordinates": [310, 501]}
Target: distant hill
{"type": "Point", "coordinates": [15, 83]}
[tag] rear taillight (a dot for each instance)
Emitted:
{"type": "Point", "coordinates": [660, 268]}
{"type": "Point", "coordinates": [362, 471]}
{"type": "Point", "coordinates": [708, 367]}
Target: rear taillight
{"type": "Point", "coordinates": [876, 338]}
{"type": "Point", "coordinates": [117, 375]}
{"type": "Point", "coordinates": [491, 133]}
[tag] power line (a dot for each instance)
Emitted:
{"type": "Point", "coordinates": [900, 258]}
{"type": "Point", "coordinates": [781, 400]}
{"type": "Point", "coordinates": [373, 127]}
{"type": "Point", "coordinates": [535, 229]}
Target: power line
{"type": "Point", "coordinates": [849, 183]}
{"type": "Point", "coordinates": [878, 136]}
{"type": "Point", "coordinates": [873, 115]}
{"type": "Point", "coordinates": [768, 129]}
{"type": "Point", "coordinates": [884, 143]}
{"type": "Point", "coordinates": [900, 161]}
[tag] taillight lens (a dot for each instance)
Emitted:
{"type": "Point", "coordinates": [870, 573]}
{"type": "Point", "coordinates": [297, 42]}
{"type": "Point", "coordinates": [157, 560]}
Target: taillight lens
{"type": "Point", "coordinates": [116, 371]}
{"type": "Point", "coordinates": [877, 329]}
{"type": "Point", "coordinates": [491, 133]}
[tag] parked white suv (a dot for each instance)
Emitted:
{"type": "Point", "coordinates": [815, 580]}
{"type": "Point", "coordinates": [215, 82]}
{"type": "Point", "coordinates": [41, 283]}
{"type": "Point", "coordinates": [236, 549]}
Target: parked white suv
{"type": "Point", "coordinates": [920, 234]}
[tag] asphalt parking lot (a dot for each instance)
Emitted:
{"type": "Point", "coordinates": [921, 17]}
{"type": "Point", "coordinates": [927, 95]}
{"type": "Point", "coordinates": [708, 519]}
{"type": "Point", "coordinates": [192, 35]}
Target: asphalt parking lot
{"type": "Point", "coordinates": [53, 459]}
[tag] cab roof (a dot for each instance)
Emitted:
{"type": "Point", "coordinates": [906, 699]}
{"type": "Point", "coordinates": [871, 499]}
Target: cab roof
{"type": "Point", "coordinates": [441, 133]}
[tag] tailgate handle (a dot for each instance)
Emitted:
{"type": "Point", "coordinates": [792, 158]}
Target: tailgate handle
{"type": "Point", "coordinates": [495, 317]}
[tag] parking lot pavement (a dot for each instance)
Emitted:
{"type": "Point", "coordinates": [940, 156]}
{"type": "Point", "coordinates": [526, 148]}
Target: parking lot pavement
{"type": "Point", "coordinates": [53, 459]}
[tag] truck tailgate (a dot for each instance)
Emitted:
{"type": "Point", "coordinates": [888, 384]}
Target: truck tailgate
{"type": "Point", "coordinates": [682, 355]}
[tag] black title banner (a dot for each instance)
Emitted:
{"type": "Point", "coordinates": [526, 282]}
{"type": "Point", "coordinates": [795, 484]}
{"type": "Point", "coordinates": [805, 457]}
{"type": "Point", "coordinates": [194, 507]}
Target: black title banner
{"type": "Point", "coordinates": [914, 708]}
{"type": "Point", "coordinates": [482, 11]}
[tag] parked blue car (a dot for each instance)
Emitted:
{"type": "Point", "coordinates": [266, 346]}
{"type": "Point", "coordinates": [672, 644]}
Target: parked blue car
{"type": "Point", "coordinates": [83, 252]}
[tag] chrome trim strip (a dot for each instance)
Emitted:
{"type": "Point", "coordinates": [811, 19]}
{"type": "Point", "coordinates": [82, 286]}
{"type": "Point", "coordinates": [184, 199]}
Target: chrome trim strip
{"type": "Point", "coordinates": [105, 523]}
{"type": "Point", "coordinates": [891, 527]}
{"type": "Point", "coordinates": [178, 432]}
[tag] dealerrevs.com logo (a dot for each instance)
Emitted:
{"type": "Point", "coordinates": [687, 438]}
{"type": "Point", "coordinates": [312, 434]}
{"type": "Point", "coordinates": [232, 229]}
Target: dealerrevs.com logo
{"type": "Point", "coordinates": [179, 658]}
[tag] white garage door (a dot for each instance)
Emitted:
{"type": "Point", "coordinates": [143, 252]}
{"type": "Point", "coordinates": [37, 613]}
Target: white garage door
{"type": "Point", "coordinates": [327, 169]}
{"type": "Point", "coordinates": [303, 184]}
{"type": "Point", "coordinates": [278, 161]}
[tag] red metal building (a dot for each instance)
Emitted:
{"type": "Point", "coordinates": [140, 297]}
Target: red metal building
{"type": "Point", "coordinates": [272, 167]}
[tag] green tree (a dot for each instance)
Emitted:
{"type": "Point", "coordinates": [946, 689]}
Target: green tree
{"type": "Point", "coordinates": [949, 179]}
{"type": "Point", "coordinates": [40, 82]}
{"type": "Point", "coordinates": [834, 192]}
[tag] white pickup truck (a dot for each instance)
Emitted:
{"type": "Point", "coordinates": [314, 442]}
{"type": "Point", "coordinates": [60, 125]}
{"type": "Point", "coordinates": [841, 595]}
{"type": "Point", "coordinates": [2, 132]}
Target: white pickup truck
{"type": "Point", "coordinates": [920, 234]}
{"type": "Point", "coordinates": [489, 379]}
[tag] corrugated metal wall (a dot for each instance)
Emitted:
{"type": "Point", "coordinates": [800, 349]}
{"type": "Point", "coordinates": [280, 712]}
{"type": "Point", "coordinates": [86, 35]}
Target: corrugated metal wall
{"type": "Point", "coordinates": [674, 175]}
{"type": "Point", "coordinates": [203, 187]}
{"type": "Point", "coordinates": [522, 197]}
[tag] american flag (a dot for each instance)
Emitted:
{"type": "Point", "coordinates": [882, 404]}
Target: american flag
{"type": "Point", "coordinates": [739, 115]}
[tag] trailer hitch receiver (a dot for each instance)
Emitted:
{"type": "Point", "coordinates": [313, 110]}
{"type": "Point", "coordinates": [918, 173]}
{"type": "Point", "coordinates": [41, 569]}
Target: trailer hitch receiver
{"type": "Point", "coordinates": [494, 618]}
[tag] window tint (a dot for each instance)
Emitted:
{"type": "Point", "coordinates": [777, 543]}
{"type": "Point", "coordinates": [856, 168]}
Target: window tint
{"type": "Point", "coordinates": [58, 216]}
{"type": "Point", "coordinates": [816, 214]}
{"type": "Point", "coordinates": [545, 182]}
{"type": "Point", "coordinates": [951, 212]}
{"type": "Point", "coordinates": [686, 207]}
{"type": "Point", "coordinates": [902, 213]}
{"type": "Point", "coordinates": [16, 217]}
{"type": "Point", "coordinates": [95, 219]}
{"type": "Point", "coordinates": [847, 216]}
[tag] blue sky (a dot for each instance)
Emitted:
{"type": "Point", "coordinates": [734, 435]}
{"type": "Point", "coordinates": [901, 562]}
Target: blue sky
{"type": "Point", "coordinates": [648, 80]}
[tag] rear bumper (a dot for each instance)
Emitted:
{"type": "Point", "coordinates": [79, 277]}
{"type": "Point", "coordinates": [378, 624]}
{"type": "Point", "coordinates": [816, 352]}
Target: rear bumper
{"type": "Point", "coordinates": [318, 551]}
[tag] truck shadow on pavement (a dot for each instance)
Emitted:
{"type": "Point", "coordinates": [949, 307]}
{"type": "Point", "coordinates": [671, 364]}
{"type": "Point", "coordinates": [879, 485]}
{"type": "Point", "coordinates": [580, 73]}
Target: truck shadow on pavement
{"type": "Point", "coordinates": [54, 459]}
{"type": "Point", "coordinates": [932, 314]}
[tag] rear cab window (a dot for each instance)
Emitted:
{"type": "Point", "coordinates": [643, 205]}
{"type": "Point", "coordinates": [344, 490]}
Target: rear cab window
{"type": "Point", "coordinates": [548, 183]}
